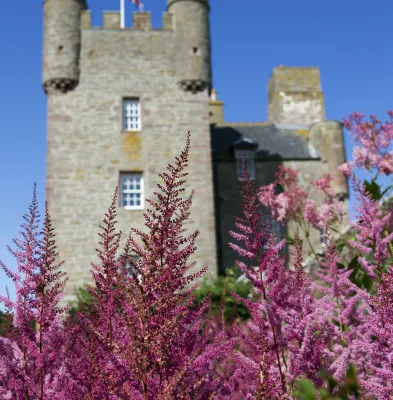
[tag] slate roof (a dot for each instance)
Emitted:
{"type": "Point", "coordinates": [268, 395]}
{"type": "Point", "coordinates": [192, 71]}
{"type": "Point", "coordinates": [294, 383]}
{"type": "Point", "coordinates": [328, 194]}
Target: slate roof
{"type": "Point", "coordinates": [275, 142]}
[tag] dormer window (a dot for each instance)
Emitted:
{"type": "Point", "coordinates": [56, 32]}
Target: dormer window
{"type": "Point", "coordinates": [249, 158]}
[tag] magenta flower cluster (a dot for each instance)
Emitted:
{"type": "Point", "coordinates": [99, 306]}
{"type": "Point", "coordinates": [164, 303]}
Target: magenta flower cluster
{"type": "Point", "coordinates": [144, 336]}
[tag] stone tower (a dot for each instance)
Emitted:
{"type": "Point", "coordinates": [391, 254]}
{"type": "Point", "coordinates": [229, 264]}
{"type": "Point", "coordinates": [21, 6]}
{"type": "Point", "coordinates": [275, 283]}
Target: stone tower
{"type": "Point", "coordinates": [296, 101]}
{"type": "Point", "coordinates": [295, 95]}
{"type": "Point", "coordinates": [120, 102]}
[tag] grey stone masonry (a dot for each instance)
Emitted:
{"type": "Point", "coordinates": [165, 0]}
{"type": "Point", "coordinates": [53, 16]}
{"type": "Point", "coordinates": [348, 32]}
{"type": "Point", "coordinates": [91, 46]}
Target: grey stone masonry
{"type": "Point", "coordinates": [295, 96]}
{"type": "Point", "coordinates": [88, 74]}
{"type": "Point", "coordinates": [87, 148]}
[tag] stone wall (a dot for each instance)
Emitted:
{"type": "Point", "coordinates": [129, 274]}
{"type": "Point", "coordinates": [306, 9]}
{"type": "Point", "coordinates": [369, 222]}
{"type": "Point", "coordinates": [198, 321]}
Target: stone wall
{"type": "Point", "coordinates": [87, 148]}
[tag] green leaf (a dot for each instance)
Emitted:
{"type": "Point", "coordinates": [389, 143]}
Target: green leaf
{"type": "Point", "coordinates": [340, 247]}
{"type": "Point", "coordinates": [373, 189]}
{"type": "Point", "coordinates": [290, 240]}
{"type": "Point", "coordinates": [350, 387]}
{"type": "Point", "coordinates": [359, 276]}
{"type": "Point", "coordinates": [305, 390]}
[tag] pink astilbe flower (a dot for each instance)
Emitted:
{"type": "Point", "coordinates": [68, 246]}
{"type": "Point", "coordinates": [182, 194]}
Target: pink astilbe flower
{"type": "Point", "coordinates": [267, 387]}
{"type": "Point", "coordinates": [329, 212]}
{"type": "Point", "coordinates": [288, 204]}
{"type": "Point", "coordinates": [93, 361]}
{"type": "Point", "coordinates": [346, 168]}
{"type": "Point", "coordinates": [378, 359]}
{"type": "Point", "coordinates": [294, 203]}
{"type": "Point", "coordinates": [375, 139]}
{"type": "Point", "coordinates": [285, 316]}
{"type": "Point", "coordinates": [371, 236]}
{"type": "Point", "coordinates": [306, 330]}
{"type": "Point", "coordinates": [344, 305]}
{"type": "Point", "coordinates": [31, 357]}
{"type": "Point", "coordinates": [142, 340]}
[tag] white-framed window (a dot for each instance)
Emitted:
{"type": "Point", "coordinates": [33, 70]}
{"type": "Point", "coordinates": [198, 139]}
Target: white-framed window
{"type": "Point", "coordinates": [249, 158]}
{"type": "Point", "coordinates": [131, 197]}
{"type": "Point", "coordinates": [132, 115]}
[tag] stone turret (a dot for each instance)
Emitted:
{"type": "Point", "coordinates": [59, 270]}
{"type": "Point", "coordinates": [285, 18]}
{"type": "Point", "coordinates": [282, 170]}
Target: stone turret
{"type": "Point", "coordinates": [62, 43]}
{"type": "Point", "coordinates": [295, 96]}
{"type": "Point", "coordinates": [192, 35]}
{"type": "Point", "coordinates": [216, 109]}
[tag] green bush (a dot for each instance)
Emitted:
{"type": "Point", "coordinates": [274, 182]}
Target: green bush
{"type": "Point", "coordinates": [84, 299]}
{"type": "Point", "coordinates": [222, 300]}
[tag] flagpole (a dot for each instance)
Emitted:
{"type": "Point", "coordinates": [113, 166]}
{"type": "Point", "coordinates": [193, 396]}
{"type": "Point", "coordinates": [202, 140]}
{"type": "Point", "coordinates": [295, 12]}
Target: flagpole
{"type": "Point", "coordinates": [122, 16]}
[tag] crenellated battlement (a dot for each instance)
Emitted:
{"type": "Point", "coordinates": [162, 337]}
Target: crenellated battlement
{"type": "Point", "coordinates": [186, 36]}
{"type": "Point", "coordinates": [141, 21]}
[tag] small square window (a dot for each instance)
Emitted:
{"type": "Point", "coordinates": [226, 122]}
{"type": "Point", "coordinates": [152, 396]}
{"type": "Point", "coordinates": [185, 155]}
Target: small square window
{"type": "Point", "coordinates": [131, 115]}
{"type": "Point", "coordinates": [249, 158]}
{"type": "Point", "coordinates": [131, 191]}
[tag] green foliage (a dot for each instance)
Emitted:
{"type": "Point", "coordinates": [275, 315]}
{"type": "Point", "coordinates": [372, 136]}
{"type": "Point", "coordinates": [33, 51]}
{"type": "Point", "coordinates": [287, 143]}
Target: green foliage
{"type": "Point", "coordinates": [4, 322]}
{"type": "Point", "coordinates": [304, 390]}
{"type": "Point", "coordinates": [374, 189]}
{"type": "Point", "coordinates": [290, 241]}
{"type": "Point", "coordinates": [84, 300]}
{"type": "Point", "coordinates": [346, 389]}
{"type": "Point", "coordinates": [359, 276]}
{"type": "Point", "coordinates": [220, 288]}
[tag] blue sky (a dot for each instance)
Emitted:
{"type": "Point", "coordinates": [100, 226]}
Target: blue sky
{"type": "Point", "coordinates": [349, 41]}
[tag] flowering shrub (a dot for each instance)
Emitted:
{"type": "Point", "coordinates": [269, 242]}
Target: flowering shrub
{"type": "Point", "coordinates": [223, 305]}
{"type": "Point", "coordinates": [147, 333]}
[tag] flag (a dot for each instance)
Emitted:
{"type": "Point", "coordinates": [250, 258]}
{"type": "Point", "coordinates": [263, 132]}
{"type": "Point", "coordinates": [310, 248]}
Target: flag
{"type": "Point", "coordinates": [138, 3]}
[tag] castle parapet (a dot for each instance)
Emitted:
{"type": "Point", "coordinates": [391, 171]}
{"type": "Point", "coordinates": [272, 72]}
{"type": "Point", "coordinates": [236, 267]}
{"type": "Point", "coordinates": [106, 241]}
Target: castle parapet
{"type": "Point", "coordinates": [86, 19]}
{"type": "Point", "coordinates": [141, 21]}
{"type": "Point", "coordinates": [167, 21]}
{"type": "Point", "coordinates": [111, 20]}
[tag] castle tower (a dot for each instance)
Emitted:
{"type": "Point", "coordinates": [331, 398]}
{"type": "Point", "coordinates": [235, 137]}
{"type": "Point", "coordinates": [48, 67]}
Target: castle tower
{"type": "Point", "coordinates": [295, 96]}
{"type": "Point", "coordinates": [192, 36]}
{"type": "Point", "coordinates": [120, 103]}
{"type": "Point", "coordinates": [62, 39]}
{"type": "Point", "coordinates": [296, 101]}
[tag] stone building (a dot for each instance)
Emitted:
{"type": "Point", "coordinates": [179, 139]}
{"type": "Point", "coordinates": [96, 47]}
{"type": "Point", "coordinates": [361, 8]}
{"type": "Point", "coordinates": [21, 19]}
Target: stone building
{"type": "Point", "coordinates": [120, 102]}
